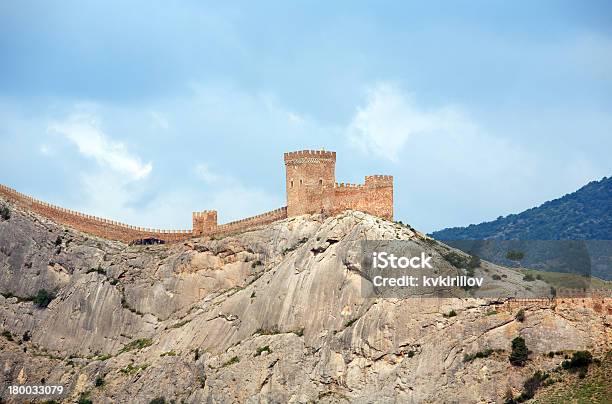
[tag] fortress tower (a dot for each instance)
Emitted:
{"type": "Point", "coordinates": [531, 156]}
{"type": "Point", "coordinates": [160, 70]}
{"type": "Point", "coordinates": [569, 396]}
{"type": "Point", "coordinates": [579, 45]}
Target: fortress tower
{"type": "Point", "coordinates": [310, 180]}
{"type": "Point", "coordinates": [312, 188]}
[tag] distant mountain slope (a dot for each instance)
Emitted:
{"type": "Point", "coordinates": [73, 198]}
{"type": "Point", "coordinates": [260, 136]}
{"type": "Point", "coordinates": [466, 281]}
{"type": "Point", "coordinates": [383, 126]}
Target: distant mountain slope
{"type": "Point", "coordinates": [582, 215]}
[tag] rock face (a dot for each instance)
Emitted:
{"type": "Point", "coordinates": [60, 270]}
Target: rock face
{"type": "Point", "coordinates": [271, 315]}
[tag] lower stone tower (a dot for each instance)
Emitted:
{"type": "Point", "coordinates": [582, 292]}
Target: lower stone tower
{"type": "Point", "coordinates": [204, 222]}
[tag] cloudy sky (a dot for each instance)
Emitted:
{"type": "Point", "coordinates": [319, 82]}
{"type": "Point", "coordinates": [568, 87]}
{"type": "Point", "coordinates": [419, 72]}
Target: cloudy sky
{"type": "Point", "coordinates": [144, 111]}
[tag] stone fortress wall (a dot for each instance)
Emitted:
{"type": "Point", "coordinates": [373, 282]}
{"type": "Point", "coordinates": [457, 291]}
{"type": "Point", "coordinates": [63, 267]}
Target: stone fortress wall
{"type": "Point", "coordinates": [98, 226]}
{"type": "Point", "coordinates": [311, 188]}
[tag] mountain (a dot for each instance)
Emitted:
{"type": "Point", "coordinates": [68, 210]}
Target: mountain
{"type": "Point", "coordinates": [570, 234]}
{"type": "Point", "coordinates": [281, 313]}
{"type": "Point", "coordinates": [582, 215]}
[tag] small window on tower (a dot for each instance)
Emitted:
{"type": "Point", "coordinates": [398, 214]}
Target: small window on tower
{"type": "Point", "coordinates": [291, 183]}
{"type": "Point", "coordinates": [320, 182]}
{"type": "Point", "coordinates": [300, 182]}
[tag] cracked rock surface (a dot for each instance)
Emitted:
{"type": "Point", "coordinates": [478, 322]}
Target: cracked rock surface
{"type": "Point", "coordinates": [270, 315]}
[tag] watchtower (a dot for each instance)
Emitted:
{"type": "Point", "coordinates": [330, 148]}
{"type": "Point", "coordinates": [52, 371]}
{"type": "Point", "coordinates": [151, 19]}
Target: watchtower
{"type": "Point", "coordinates": [310, 179]}
{"type": "Point", "coordinates": [204, 222]}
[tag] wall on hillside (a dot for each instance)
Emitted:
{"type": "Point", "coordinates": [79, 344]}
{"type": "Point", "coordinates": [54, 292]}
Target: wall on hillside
{"type": "Point", "coordinates": [97, 226]}
{"type": "Point", "coordinates": [310, 186]}
{"type": "Point", "coordinates": [205, 223]}
{"type": "Point", "coordinates": [251, 222]}
{"type": "Point", "coordinates": [375, 196]}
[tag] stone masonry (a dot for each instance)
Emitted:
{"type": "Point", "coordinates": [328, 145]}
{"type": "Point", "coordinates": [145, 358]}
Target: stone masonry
{"type": "Point", "coordinates": [311, 188]}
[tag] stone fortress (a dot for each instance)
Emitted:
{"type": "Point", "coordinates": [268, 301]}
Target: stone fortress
{"type": "Point", "coordinates": [311, 189]}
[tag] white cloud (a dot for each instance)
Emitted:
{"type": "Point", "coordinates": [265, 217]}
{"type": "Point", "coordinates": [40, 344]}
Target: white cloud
{"type": "Point", "coordinates": [391, 118]}
{"type": "Point", "coordinates": [442, 154]}
{"type": "Point", "coordinates": [206, 174]}
{"type": "Point", "coordinates": [232, 198]}
{"type": "Point", "coordinates": [85, 132]}
{"type": "Point", "coordinates": [238, 201]}
{"type": "Point", "coordinates": [45, 150]}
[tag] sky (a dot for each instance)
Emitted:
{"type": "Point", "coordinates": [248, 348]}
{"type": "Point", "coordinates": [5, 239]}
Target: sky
{"type": "Point", "coordinates": [145, 111]}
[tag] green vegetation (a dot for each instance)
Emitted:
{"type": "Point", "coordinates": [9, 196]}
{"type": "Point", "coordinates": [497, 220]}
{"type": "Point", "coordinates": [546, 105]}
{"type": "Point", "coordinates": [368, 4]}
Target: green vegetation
{"type": "Point", "coordinates": [481, 354]}
{"type": "Point", "coordinates": [514, 255]}
{"type": "Point", "coordinates": [102, 358]}
{"type": "Point", "coordinates": [530, 386]}
{"type": "Point", "coordinates": [98, 270]}
{"type": "Point", "coordinates": [168, 353]}
{"type": "Point", "coordinates": [431, 241]}
{"type": "Point", "coordinates": [137, 344]}
{"type": "Point", "coordinates": [84, 398]}
{"type": "Point", "coordinates": [99, 382]}
{"type": "Point", "coordinates": [582, 215]}
{"type": "Point", "coordinates": [43, 298]}
{"type": "Point", "coordinates": [528, 278]}
{"type": "Point", "coordinates": [474, 262]}
{"type": "Point", "coordinates": [491, 312]}
{"type": "Point", "coordinates": [262, 349]}
{"type": "Point", "coordinates": [5, 213]}
{"type": "Point", "coordinates": [569, 281]}
{"type": "Point", "coordinates": [451, 313]}
{"type": "Point", "coordinates": [496, 277]}
{"type": "Point", "coordinates": [7, 334]}
{"type": "Point", "coordinates": [230, 362]}
{"type": "Point", "coordinates": [520, 353]}
{"type": "Point", "coordinates": [131, 369]}
{"type": "Point", "coordinates": [267, 331]}
{"type": "Point", "coordinates": [593, 388]}
{"type": "Point", "coordinates": [520, 315]}
{"type": "Point", "coordinates": [579, 360]}
{"type": "Point", "coordinates": [158, 400]}
{"type": "Point", "coordinates": [125, 305]}
{"type": "Point", "coordinates": [299, 333]}
{"type": "Point", "coordinates": [351, 322]}
{"type": "Point", "coordinates": [457, 260]}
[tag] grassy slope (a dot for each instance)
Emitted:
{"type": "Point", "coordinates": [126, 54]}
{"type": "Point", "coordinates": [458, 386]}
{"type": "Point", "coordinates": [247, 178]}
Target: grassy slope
{"type": "Point", "coordinates": [565, 280]}
{"type": "Point", "coordinates": [596, 387]}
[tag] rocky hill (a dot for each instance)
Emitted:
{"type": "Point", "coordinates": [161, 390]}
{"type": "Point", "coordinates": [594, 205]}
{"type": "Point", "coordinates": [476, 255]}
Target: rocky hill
{"type": "Point", "coordinates": [270, 315]}
{"type": "Point", "coordinates": [582, 215]}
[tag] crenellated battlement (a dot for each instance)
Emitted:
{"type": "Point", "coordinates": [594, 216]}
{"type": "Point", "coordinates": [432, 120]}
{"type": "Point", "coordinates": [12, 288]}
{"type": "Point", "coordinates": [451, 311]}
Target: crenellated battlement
{"type": "Point", "coordinates": [311, 188]}
{"type": "Point", "coordinates": [252, 222]}
{"type": "Point", "coordinates": [379, 178]}
{"type": "Point", "coordinates": [309, 156]}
